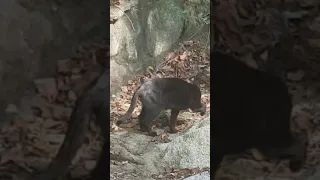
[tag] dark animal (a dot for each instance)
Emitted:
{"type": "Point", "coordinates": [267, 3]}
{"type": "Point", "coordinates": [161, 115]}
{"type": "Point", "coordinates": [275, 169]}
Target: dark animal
{"type": "Point", "coordinates": [158, 94]}
{"type": "Point", "coordinates": [251, 109]}
{"type": "Point", "coordinates": [96, 99]}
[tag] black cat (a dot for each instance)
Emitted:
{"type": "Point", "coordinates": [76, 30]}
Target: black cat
{"type": "Point", "coordinates": [158, 94]}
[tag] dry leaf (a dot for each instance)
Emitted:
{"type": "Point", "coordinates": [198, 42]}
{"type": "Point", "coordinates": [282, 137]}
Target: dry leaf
{"type": "Point", "coordinates": [184, 55]}
{"type": "Point", "coordinates": [129, 125]}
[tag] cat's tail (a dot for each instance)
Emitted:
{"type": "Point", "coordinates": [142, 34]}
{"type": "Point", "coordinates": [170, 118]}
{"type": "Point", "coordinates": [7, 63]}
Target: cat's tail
{"type": "Point", "coordinates": [127, 115]}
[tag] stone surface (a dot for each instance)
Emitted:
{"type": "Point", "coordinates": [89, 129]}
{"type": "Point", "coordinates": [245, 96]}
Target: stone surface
{"type": "Point", "coordinates": [201, 176]}
{"type": "Point", "coordinates": [139, 154]}
{"type": "Point", "coordinates": [165, 23]}
{"type": "Point", "coordinates": [191, 149]}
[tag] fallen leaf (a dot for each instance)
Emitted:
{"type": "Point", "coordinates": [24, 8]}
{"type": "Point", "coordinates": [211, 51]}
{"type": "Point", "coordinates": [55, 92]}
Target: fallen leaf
{"type": "Point", "coordinates": [129, 125]}
{"type": "Point", "coordinates": [184, 55]}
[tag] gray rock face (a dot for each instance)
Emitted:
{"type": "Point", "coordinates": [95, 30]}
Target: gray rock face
{"type": "Point", "coordinates": [141, 36]}
{"type": "Point", "coordinates": [143, 157]}
{"type": "Point", "coordinates": [190, 150]}
{"type": "Point", "coordinates": [33, 38]}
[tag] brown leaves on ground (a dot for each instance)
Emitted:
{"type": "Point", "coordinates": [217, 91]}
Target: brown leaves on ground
{"type": "Point", "coordinates": [31, 141]}
{"type": "Point", "coordinates": [189, 62]}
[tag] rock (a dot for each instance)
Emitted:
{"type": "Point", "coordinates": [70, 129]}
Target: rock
{"type": "Point", "coordinates": [115, 39]}
{"type": "Point", "coordinates": [115, 13]}
{"type": "Point", "coordinates": [116, 73]}
{"type": "Point", "coordinates": [188, 149]}
{"type": "Point", "coordinates": [144, 33]}
{"type": "Point", "coordinates": [191, 149]}
{"type": "Point", "coordinates": [201, 176]}
{"type": "Point", "coordinates": [166, 15]}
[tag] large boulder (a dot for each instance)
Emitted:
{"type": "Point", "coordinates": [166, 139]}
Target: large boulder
{"type": "Point", "coordinates": [143, 157]}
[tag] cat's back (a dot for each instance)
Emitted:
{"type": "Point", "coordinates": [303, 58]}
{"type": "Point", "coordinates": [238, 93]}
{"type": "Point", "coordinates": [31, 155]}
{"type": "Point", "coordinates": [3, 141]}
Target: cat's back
{"type": "Point", "coordinates": [171, 85]}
